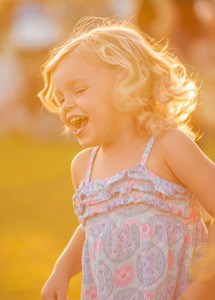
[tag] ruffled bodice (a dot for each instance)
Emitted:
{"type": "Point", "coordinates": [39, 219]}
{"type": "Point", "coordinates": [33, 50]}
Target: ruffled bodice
{"type": "Point", "coordinates": [134, 186]}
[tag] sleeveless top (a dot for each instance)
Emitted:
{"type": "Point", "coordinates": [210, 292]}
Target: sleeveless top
{"type": "Point", "coordinates": [99, 196]}
{"type": "Point", "coordinates": [143, 234]}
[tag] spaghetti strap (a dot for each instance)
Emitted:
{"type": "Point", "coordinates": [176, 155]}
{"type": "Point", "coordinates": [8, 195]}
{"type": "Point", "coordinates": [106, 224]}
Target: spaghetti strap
{"type": "Point", "coordinates": [90, 163]}
{"type": "Point", "coordinates": [144, 158]}
{"type": "Point", "coordinates": [147, 150]}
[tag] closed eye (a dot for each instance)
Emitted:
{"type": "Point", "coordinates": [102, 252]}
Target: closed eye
{"type": "Point", "coordinates": [80, 91]}
{"type": "Point", "coordinates": [76, 92]}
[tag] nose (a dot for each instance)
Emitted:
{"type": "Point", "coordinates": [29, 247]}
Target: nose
{"type": "Point", "coordinates": [67, 104]}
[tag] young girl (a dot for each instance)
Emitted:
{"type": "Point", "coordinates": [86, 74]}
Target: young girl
{"type": "Point", "coordinates": [141, 180]}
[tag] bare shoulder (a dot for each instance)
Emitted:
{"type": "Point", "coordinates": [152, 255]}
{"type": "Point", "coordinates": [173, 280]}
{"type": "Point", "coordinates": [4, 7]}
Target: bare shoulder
{"type": "Point", "coordinates": [170, 135]}
{"type": "Point", "coordinates": [174, 143]}
{"type": "Point", "coordinates": [79, 166]}
{"type": "Point", "coordinates": [189, 164]}
{"type": "Point", "coordinates": [162, 160]}
{"type": "Point", "coordinates": [172, 138]}
{"type": "Point", "coordinates": [177, 147]}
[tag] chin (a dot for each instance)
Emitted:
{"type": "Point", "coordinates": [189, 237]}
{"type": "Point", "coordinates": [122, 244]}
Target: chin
{"type": "Point", "coordinates": [87, 143]}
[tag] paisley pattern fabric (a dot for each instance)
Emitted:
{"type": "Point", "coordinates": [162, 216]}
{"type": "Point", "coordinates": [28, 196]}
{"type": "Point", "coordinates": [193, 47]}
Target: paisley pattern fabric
{"type": "Point", "coordinates": [143, 234]}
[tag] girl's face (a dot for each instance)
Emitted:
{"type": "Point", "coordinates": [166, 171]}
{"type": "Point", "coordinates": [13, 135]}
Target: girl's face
{"type": "Point", "coordinates": [85, 90]}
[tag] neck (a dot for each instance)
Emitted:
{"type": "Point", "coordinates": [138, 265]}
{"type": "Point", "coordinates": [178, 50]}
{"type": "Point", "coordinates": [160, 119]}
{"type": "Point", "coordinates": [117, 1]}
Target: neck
{"type": "Point", "coordinates": [125, 142]}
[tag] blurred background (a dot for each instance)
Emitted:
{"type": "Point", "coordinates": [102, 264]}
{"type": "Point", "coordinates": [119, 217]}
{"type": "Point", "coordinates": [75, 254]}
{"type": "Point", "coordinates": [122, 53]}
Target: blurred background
{"type": "Point", "coordinates": [36, 210]}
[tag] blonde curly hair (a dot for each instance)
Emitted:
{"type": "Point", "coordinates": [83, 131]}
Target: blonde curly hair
{"type": "Point", "coordinates": [151, 83]}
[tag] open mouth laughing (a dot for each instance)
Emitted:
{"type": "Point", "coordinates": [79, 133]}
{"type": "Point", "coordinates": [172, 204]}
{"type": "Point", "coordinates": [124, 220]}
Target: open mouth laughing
{"type": "Point", "coordinates": [77, 123]}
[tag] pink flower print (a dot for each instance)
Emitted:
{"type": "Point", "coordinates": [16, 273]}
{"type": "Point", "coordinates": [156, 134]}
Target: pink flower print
{"type": "Point", "coordinates": [136, 196]}
{"type": "Point", "coordinates": [171, 260]}
{"type": "Point", "coordinates": [194, 214]}
{"type": "Point", "coordinates": [124, 275]}
{"type": "Point", "coordinates": [96, 248]}
{"type": "Point", "coordinates": [91, 293]}
{"type": "Point", "coordinates": [91, 202]}
{"type": "Point", "coordinates": [146, 230]}
{"type": "Point", "coordinates": [148, 295]}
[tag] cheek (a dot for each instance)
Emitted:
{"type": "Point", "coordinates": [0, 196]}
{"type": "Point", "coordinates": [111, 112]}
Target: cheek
{"type": "Point", "coordinates": [62, 117]}
{"type": "Point", "coordinates": [107, 121]}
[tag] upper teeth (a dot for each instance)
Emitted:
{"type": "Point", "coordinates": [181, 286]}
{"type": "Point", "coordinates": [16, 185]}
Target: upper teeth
{"type": "Point", "coordinates": [75, 119]}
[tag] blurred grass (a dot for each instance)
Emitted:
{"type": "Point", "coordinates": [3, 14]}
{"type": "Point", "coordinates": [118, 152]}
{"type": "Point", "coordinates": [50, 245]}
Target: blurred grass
{"type": "Point", "coordinates": [36, 213]}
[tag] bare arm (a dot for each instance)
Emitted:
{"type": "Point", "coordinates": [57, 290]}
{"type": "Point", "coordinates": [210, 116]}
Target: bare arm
{"type": "Point", "coordinates": [196, 172]}
{"type": "Point", "coordinates": [191, 166]}
{"type": "Point", "coordinates": [69, 262]}
{"type": "Point", "coordinates": [67, 266]}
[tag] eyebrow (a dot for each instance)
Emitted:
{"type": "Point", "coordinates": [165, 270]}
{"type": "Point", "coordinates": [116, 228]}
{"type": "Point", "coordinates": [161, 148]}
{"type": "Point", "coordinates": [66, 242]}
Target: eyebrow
{"type": "Point", "coordinates": [71, 83]}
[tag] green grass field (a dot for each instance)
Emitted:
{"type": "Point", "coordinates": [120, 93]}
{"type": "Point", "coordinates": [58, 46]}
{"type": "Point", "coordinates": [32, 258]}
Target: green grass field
{"type": "Point", "coordinates": [37, 218]}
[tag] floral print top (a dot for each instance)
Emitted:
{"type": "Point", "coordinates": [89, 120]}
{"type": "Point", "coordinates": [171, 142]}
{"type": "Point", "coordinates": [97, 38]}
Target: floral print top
{"type": "Point", "coordinates": [144, 234]}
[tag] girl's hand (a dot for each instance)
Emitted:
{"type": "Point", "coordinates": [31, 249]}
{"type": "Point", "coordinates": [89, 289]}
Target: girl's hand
{"type": "Point", "coordinates": [56, 287]}
{"type": "Point", "coordinates": [198, 291]}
